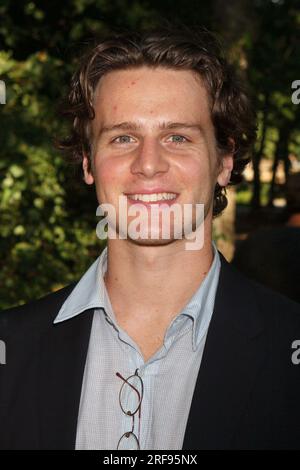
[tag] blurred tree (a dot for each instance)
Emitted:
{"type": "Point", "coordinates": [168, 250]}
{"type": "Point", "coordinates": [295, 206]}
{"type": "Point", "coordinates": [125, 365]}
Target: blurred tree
{"type": "Point", "coordinates": [273, 64]}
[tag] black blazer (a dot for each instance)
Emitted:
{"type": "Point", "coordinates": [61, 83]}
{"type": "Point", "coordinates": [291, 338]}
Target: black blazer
{"type": "Point", "coordinates": [247, 394]}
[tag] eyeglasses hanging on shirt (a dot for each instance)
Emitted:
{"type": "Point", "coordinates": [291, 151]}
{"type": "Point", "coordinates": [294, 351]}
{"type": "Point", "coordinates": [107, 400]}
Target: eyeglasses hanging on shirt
{"type": "Point", "coordinates": [130, 399]}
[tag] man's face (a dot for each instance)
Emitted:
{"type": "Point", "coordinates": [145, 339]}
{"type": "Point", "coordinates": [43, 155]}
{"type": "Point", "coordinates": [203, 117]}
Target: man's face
{"type": "Point", "coordinates": [152, 132]}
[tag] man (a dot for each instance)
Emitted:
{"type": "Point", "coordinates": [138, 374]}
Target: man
{"type": "Point", "coordinates": [157, 346]}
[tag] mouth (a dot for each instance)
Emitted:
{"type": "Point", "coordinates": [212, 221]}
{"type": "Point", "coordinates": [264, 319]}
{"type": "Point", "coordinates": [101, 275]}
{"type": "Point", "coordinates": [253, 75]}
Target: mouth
{"type": "Point", "coordinates": [148, 199]}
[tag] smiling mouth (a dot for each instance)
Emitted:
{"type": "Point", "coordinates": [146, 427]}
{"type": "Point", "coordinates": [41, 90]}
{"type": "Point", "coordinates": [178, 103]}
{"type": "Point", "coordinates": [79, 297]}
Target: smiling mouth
{"type": "Point", "coordinates": [154, 198]}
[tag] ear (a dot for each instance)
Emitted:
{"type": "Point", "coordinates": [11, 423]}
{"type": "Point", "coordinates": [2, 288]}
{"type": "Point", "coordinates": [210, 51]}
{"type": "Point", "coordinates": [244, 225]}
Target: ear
{"type": "Point", "coordinates": [226, 169]}
{"type": "Point", "coordinates": [226, 166]}
{"type": "Point", "coordinates": [88, 177]}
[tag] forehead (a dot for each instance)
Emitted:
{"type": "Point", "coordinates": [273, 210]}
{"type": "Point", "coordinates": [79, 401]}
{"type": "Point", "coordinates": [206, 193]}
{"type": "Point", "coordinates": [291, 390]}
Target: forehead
{"type": "Point", "coordinates": [149, 93]}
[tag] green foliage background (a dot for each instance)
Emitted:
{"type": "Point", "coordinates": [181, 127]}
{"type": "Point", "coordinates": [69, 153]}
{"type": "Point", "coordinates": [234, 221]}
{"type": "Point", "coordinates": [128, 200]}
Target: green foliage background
{"type": "Point", "coordinates": [47, 216]}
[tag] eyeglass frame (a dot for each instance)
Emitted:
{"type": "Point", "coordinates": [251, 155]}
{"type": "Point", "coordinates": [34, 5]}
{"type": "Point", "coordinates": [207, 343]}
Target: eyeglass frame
{"type": "Point", "coordinates": [129, 413]}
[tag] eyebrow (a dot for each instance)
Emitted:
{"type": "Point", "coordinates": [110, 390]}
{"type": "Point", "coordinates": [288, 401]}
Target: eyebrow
{"type": "Point", "coordinates": [132, 126]}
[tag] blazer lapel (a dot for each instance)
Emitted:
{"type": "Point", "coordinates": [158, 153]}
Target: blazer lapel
{"type": "Point", "coordinates": [62, 362]}
{"type": "Point", "coordinates": [233, 354]}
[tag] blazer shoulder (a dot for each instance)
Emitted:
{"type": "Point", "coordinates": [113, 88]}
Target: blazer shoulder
{"type": "Point", "coordinates": [36, 313]}
{"type": "Point", "coordinates": [278, 309]}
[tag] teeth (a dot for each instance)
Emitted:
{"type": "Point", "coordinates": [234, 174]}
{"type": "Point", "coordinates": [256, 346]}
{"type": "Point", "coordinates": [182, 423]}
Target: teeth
{"type": "Point", "coordinates": [152, 197]}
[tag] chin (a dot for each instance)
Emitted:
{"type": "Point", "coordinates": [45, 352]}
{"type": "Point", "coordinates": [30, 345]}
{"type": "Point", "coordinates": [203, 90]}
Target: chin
{"type": "Point", "coordinates": [151, 242]}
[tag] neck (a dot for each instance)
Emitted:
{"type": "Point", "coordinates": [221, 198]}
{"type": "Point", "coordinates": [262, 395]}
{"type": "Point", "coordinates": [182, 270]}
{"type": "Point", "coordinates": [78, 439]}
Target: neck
{"type": "Point", "coordinates": [155, 282]}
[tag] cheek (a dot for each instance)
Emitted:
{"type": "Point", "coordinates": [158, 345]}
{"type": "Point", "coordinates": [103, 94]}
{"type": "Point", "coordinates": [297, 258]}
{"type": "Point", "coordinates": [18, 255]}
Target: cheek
{"type": "Point", "coordinates": [195, 170]}
{"type": "Point", "coordinates": [108, 175]}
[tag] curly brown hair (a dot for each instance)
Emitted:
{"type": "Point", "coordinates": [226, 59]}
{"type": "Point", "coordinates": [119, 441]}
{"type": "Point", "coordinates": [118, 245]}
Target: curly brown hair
{"type": "Point", "coordinates": [189, 48]}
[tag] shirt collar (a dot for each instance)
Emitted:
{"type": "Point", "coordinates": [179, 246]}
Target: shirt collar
{"type": "Point", "coordinates": [200, 307]}
{"type": "Point", "coordinates": [90, 292]}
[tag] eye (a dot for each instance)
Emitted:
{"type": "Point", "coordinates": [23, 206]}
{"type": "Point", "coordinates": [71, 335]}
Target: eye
{"type": "Point", "coordinates": [178, 139]}
{"type": "Point", "coordinates": [122, 139]}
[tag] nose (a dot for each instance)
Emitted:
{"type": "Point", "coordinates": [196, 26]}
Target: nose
{"type": "Point", "coordinates": [149, 159]}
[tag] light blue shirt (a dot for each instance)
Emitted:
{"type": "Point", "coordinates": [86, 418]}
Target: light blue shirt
{"type": "Point", "coordinates": [169, 376]}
